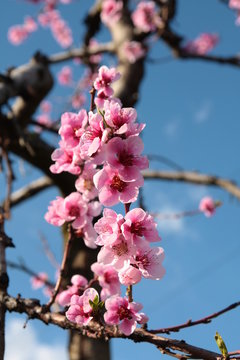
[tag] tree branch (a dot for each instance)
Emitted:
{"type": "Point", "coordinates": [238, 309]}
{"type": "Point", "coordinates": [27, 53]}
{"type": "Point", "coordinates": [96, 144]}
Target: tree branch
{"type": "Point", "coordinates": [82, 53]}
{"type": "Point", "coordinates": [30, 190]}
{"type": "Point", "coordinates": [194, 178]}
{"type": "Point", "coordinates": [94, 330]}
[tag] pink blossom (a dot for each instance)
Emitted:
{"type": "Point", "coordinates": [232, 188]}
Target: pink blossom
{"type": "Point", "coordinates": [89, 234]}
{"type": "Point", "coordinates": [65, 160]}
{"type": "Point", "coordinates": [203, 44]}
{"type": "Point", "coordinates": [46, 106]}
{"type": "Point", "coordinates": [78, 282]}
{"type": "Point", "coordinates": [121, 311]}
{"type": "Point", "coordinates": [139, 224]}
{"type": "Point", "coordinates": [72, 127]}
{"type": "Point", "coordinates": [47, 17]}
{"type": "Point", "coordinates": [108, 227]}
{"type": "Point", "coordinates": [124, 155]}
{"type": "Point", "coordinates": [145, 17]}
{"type": "Point", "coordinates": [111, 11]}
{"type": "Point", "coordinates": [129, 275]}
{"type": "Point", "coordinates": [65, 76]}
{"type": "Point", "coordinates": [30, 24]}
{"type": "Point", "coordinates": [94, 209]}
{"type": "Point", "coordinates": [17, 34]}
{"type": "Point", "coordinates": [104, 79]}
{"type": "Point", "coordinates": [39, 280]}
{"type": "Point", "coordinates": [60, 30]}
{"type": "Point", "coordinates": [78, 100]}
{"type": "Point", "coordinates": [75, 209]}
{"type": "Point", "coordinates": [101, 98]}
{"type": "Point", "coordinates": [149, 261]}
{"type": "Point", "coordinates": [112, 188]}
{"type": "Point", "coordinates": [234, 4]}
{"type": "Point", "coordinates": [80, 310]}
{"type": "Point", "coordinates": [207, 206]}
{"type": "Point", "coordinates": [117, 253]}
{"type": "Point", "coordinates": [53, 216]}
{"type": "Point", "coordinates": [44, 119]}
{"type": "Point", "coordinates": [133, 51]}
{"type": "Point", "coordinates": [84, 183]}
{"type": "Point", "coordinates": [94, 136]}
{"type": "Point", "coordinates": [121, 120]}
{"type": "Point", "coordinates": [108, 279]}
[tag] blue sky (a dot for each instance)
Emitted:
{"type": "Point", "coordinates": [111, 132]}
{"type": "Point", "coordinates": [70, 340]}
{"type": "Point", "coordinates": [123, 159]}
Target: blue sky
{"type": "Point", "coordinates": [191, 109]}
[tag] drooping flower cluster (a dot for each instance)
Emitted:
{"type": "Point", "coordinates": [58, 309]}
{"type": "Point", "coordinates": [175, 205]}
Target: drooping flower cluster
{"type": "Point", "coordinates": [47, 17]}
{"type": "Point", "coordinates": [203, 44]}
{"type": "Point", "coordinates": [104, 150]}
{"type": "Point", "coordinates": [61, 31]}
{"type": "Point", "coordinates": [18, 33]}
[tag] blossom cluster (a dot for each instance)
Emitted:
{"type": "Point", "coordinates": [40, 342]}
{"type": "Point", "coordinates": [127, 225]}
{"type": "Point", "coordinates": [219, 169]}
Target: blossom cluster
{"type": "Point", "coordinates": [47, 17]}
{"type": "Point", "coordinates": [126, 247]}
{"type": "Point", "coordinates": [235, 5]}
{"type": "Point", "coordinates": [202, 44]}
{"type": "Point", "coordinates": [103, 149]}
{"type": "Point", "coordinates": [18, 33]}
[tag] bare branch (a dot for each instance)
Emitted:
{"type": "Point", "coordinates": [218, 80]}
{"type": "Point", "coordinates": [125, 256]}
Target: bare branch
{"type": "Point", "coordinates": [82, 53]}
{"type": "Point", "coordinates": [62, 273]}
{"type": "Point", "coordinates": [194, 178]}
{"type": "Point", "coordinates": [30, 190]}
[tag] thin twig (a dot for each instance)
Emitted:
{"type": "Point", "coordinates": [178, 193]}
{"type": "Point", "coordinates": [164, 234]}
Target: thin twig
{"type": "Point", "coordinates": [189, 323]}
{"type": "Point", "coordinates": [182, 214]}
{"type": "Point", "coordinates": [50, 255]}
{"type": "Point", "coordinates": [24, 268]}
{"type": "Point", "coordinates": [62, 269]}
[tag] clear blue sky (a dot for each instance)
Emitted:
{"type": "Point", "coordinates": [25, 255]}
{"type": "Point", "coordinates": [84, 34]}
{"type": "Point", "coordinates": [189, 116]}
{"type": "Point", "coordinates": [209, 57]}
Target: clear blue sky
{"type": "Point", "coordinates": [192, 114]}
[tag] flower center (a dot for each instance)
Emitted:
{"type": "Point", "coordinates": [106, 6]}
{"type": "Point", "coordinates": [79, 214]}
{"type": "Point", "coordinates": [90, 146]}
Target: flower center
{"type": "Point", "coordinates": [120, 249]}
{"type": "Point", "coordinates": [74, 211]}
{"type": "Point", "coordinates": [143, 260]}
{"type": "Point", "coordinates": [125, 158]}
{"type": "Point", "coordinates": [118, 184]}
{"type": "Point", "coordinates": [88, 184]}
{"type": "Point", "coordinates": [137, 228]}
{"type": "Point", "coordinates": [124, 313]}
